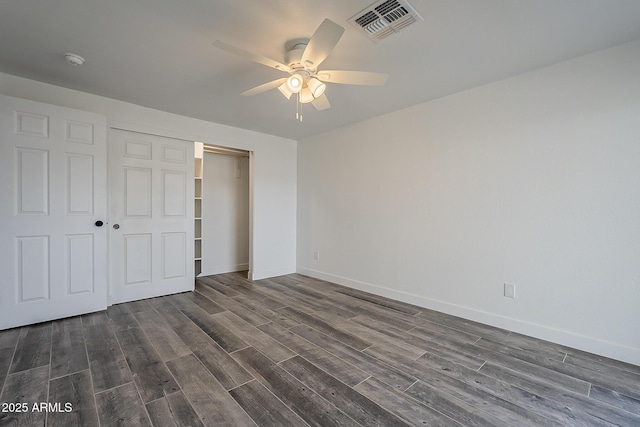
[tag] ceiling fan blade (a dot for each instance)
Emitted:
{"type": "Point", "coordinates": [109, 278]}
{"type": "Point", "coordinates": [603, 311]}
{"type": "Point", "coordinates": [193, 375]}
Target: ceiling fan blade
{"type": "Point", "coordinates": [252, 56]}
{"type": "Point", "coordinates": [322, 43]}
{"type": "Point", "coordinates": [264, 87]}
{"type": "Point", "coordinates": [365, 78]}
{"type": "Point", "coordinates": [321, 102]}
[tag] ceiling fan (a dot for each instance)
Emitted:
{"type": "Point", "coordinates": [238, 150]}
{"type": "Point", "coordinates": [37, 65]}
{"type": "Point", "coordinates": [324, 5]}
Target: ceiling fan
{"type": "Point", "coordinates": [302, 59]}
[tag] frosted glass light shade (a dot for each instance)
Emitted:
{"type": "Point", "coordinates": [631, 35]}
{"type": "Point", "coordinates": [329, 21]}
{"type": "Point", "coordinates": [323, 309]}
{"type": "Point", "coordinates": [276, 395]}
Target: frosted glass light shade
{"type": "Point", "coordinates": [316, 86]}
{"type": "Point", "coordinates": [294, 83]}
{"type": "Point", "coordinates": [306, 96]}
{"type": "Point", "coordinates": [285, 90]}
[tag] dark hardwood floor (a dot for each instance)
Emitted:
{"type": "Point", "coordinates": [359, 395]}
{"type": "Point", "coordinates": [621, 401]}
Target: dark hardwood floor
{"type": "Point", "coordinates": [299, 351]}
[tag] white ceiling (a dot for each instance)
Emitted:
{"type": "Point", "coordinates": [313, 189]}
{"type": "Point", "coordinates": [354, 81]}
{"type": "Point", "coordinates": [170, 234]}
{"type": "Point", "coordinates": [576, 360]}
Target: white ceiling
{"type": "Point", "coordinates": [159, 53]}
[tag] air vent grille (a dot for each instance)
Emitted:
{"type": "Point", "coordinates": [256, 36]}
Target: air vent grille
{"type": "Point", "coordinates": [366, 19]}
{"type": "Point", "coordinates": [387, 6]}
{"type": "Point", "coordinates": [385, 18]}
{"type": "Point", "coordinates": [396, 14]}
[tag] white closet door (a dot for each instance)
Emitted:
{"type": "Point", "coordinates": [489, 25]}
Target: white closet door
{"type": "Point", "coordinates": [53, 256]}
{"type": "Point", "coordinates": [151, 221]}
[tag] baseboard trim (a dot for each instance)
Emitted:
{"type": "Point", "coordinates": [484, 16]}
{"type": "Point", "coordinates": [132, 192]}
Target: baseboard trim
{"type": "Point", "coordinates": [581, 342]}
{"type": "Point", "coordinates": [267, 274]}
{"type": "Point", "coordinates": [221, 269]}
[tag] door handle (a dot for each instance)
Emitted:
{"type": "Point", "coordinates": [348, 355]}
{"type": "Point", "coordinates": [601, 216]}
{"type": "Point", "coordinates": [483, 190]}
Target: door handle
{"type": "Point", "coordinates": [99, 223]}
{"type": "Point", "coordinates": [116, 226]}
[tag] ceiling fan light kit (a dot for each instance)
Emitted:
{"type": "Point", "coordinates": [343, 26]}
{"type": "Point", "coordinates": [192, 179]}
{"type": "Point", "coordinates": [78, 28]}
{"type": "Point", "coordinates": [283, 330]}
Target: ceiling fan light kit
{"type": "Point", "coordinates": [306, 96]}
{"type": "Point", "coordinates": [316, 87]}
{"type": "Point", "coordinates": [284, 89]}
{"type": "Point", "coordinates": [295, 82]}
{"type": "Point", "coordinates": [303, 58]}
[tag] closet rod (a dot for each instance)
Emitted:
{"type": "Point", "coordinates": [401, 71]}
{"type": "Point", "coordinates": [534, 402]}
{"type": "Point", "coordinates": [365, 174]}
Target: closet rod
{"type": "Point", "coordinates": [226, 153]}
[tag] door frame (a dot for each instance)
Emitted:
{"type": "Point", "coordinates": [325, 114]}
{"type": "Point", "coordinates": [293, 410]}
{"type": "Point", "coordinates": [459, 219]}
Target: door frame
{"type": "Point", "coordinates": [223, 151]}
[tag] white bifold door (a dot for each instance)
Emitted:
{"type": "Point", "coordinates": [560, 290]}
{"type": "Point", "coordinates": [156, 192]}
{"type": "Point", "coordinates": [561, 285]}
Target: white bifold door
{"type": "Point", "coordinates": [53, 207]}
{"type": "Point", "coordinates": [151, 184]}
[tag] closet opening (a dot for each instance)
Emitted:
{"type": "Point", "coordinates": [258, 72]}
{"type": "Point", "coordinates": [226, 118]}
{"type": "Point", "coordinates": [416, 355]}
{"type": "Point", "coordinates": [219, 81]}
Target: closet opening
{"type": "Point", "coordinates": [223, 209]}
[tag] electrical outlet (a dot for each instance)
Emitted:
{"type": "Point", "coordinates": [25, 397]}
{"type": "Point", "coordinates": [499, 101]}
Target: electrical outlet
{"type": "Point", "coordinates": [316, 255]}
{"type": "Point", "coordinates": [509, 290]}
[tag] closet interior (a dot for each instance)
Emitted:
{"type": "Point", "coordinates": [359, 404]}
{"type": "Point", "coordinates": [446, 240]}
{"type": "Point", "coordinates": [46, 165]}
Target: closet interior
{"type": "Point", "coordinates": [222, 205]}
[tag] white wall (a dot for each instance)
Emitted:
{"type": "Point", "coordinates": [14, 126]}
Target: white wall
{"type": "Point", "coordinates": [225, 214]}
{"type": "Point", "coordinates": [274, 191]}
{"type": "Point", "coordinates": [532, 181]}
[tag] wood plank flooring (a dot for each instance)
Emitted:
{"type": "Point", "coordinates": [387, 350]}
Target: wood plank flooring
{"type": "Point", "coordinates": [297, 351]}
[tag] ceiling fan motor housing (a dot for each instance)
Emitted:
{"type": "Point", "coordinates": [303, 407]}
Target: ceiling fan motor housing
{"type": "Point", "coordinates": [293, 57]}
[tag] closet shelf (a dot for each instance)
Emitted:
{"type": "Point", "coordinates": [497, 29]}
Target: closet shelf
{"type": "Point", "coordinates": [197, 242]}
